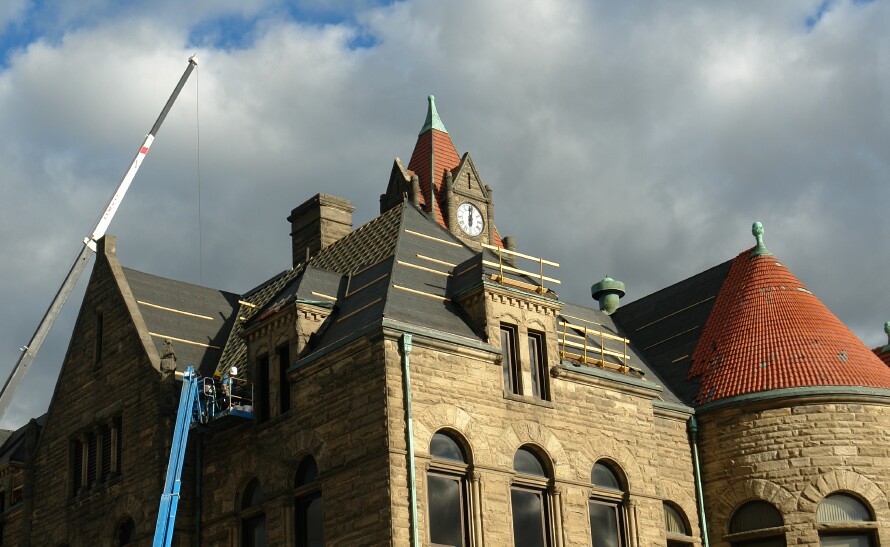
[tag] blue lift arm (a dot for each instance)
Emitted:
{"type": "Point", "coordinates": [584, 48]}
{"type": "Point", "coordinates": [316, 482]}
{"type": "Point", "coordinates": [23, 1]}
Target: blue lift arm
{"type": "Point", "coordinates": [188, 407]}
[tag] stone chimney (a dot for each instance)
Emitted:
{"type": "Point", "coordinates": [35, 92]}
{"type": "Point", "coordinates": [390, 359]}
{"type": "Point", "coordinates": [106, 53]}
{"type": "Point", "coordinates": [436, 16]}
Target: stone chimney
{"type": "Point", "coordinates": [320, 221]}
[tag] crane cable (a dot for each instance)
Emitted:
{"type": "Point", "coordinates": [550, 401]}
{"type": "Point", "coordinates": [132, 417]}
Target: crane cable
{"type": "Point", "coordinates": [198, 163]}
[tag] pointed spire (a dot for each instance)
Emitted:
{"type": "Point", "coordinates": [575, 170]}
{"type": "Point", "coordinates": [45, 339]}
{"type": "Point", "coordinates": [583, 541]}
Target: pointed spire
{"type": "Point", "coordinates": [433, 121]}
{"type": "Point", "coordinates": [760, 249]}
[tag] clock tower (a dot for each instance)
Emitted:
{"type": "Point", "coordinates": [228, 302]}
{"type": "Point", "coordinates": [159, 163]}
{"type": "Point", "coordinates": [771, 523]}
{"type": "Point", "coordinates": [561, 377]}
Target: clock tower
{"type": "Point", "coordinates": [445, 185]}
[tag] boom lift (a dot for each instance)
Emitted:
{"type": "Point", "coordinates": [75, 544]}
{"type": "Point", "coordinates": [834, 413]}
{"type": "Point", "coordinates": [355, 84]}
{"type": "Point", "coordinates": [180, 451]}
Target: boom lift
{"type": "Point", "coordinates": [29, 352]}
{"type": "Point", "coordinates": [201, 402]}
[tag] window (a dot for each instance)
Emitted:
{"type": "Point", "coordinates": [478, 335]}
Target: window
{"type": "Point", "coordinates": [529, 500]}
{"type": "Point", "coordinates": [839, 511]}
{"type": "Point", "coordinates": [510, 361]}
{"type": "Point", "coordinates": [95, 456]}
{"type": "Point", "coordinates": [447, 492]}
{"type": "Point", "coordinates": [17, 485]}
{"type": "Point", "coordinates": [126, 532]}
{"type": "Point", "coordinates": [283, 353]}
{"type": "Point", "coordinates": [675, 527]}
{"type": "Point", "coordinates": [309, 514]}
{"type": "Point", "coordinates": [605, 507]}
{"type": "Point", "coordinates": [538, 364]}
{"type": "Point", "coordinates": [757, 524]}
{"type": "Point", "coordinates": [97, 348]}
{"type": "Point", "coordinates": [262, 383]}
{"type": "Point", "coordinates": [253, 519]}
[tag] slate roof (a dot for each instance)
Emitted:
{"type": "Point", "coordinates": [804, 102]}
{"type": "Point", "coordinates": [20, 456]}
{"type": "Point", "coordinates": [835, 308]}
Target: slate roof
{"type": "Point", "coordinates": [235, 350]}
{"type": "Point", "coordinates": [665, 326]}
{"type": "Point", "coordinates": [402, 284]}
{"type": "Point", "coordinates": [196, 319]}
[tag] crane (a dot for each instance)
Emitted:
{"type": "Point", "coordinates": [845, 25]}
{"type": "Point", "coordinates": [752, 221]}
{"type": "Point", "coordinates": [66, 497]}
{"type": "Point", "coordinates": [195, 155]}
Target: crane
{"type": "Point", "coordinates": [29, 352]}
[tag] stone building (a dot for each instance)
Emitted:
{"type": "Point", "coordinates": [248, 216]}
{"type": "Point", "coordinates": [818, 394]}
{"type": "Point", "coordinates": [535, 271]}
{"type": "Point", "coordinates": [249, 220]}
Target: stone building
{"type": "Point", "coordinates": [417, 381]}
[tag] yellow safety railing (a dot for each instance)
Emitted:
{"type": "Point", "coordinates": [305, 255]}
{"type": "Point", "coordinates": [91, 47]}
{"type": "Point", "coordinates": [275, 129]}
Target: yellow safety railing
{"type": "Point", "coordinates": [501, 252]}
{"type": "Point", "coordinates": [592, 354]}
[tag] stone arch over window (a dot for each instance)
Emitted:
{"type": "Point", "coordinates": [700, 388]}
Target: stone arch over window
{"type": "Point", "coordinates": [451, 496]}
{"type": "Point", "coordinates": [844, 481]}
{"type": "Point", "coordinates": [308, 504]}
{"type": "Point", "coordinates": [130, 508]}
{"type": "Point", "coordinates": [731, 498]}
{"type": "Point", "coordinates": [845, 520]}
{"type": "Point", "coordinates": [536, 435]}
{"type": "Point", "coordinates": [448, 417]}
{"type": "Point", "coordinates": [756, 523]}
{"type": "Point", "coordinates": [251, 517]}
{"type": "Point", "coordinates": [601, 449]}
{"type": "Point", "coordinates": [306, 441]}
{"type": "Point", "coordinates": [125, 531]}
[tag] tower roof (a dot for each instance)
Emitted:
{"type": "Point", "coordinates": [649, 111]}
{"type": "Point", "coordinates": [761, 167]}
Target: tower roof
{"type": "Point", "coordinates": [767, 331]}
{"type": "Point", "coordinates": [433, 155]}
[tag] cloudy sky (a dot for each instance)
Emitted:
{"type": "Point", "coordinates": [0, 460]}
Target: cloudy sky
{"type": "Point", "coordinates": [628, 139]}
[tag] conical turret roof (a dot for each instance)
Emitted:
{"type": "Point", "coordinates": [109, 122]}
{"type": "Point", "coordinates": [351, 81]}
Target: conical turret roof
{"type": "Point", "coordinates": [767, 331]}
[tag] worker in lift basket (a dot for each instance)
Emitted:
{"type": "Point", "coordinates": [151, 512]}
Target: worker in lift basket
{"type": "Point", "coordinates": [226, 398]}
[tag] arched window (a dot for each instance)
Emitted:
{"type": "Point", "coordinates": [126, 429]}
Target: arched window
{"type": "Point", "coordinates": [675, 527]}
{"type": "Point", "coordinates": [308, 505]}
{"type": "Point", "coordinates": [447, 492]}
{"type": "Point", "coordinates": [125, 533]}
{"type": "Point", "coordinates": [757, 524]}
{"type": "Point", "coordinates": [606, 506]}
{"type": "Point", "coordinates": [844, 522]}
{"type": "Point", "coordinates": [253, 519]}
{"type": "Point", "coordinates": [529, 500]}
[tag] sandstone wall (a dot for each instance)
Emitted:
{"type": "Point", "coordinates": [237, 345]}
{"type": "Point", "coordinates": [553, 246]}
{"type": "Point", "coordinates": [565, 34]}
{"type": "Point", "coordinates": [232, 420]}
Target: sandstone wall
{"type": "Point", "coordinates": [792, 453]}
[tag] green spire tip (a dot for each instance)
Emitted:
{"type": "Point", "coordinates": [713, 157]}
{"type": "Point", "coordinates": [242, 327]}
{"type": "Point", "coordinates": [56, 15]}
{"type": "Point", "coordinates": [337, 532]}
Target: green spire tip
{"type": "Point", "coordinates": [433, 121]}
{"type": "Point", "coordinates": [760, 249]}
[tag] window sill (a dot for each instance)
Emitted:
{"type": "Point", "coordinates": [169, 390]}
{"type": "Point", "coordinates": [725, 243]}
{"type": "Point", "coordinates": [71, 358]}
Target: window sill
{"type": "Point", "coordinates": [528, 399]}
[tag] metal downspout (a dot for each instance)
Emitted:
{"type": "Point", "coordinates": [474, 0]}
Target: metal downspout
{"type": "Point", "coordinates": [199, 474]}
{"type": "Point", "coordinates": [693, 440]}
{"type": "Point", "coordinates": [409, 432]}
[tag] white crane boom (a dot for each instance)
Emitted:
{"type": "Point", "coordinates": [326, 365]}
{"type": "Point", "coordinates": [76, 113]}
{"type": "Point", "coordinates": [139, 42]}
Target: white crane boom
{"type": "Point", "coordinates": [29, 352]}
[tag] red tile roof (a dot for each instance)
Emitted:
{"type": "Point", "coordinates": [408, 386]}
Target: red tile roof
{"type": "Point", "coordinates": [767, 331]}
{"type": "Point", "coordinates": [433, 154]}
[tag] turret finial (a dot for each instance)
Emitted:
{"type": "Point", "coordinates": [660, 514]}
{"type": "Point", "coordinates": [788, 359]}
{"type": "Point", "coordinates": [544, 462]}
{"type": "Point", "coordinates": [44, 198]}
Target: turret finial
{"type": "Point", "coordinates": [760, 249]}
{"type": "Point", "coordinates": [433, 121]}
{"type": "Point", "coordinates": [887, 330]}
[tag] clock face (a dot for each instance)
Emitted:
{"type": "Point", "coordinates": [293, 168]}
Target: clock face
{"type": "Point", "coordinates": [470, 219]}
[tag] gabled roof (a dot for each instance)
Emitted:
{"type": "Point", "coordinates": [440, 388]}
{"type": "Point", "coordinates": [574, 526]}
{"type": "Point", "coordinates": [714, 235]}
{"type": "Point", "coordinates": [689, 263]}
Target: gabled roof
{"type": "Point", "coordinates": [196, 319]}
{"type": "Point", "coordinates": [433, 154]}
{"type": "Point", "coordinates": [768, 332]}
